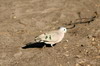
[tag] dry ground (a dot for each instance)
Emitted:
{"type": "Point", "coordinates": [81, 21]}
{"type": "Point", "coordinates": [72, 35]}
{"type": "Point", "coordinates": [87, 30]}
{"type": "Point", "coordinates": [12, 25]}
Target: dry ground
{"type": "Point", "coordinates": [22, 20]}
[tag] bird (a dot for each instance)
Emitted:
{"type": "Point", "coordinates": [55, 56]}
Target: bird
{"type": "Point", "coordinates": [52, 37]}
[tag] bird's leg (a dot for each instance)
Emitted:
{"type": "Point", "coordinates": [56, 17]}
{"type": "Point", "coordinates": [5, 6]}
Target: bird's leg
{"type": "Point", "coordinates": [52, 45]}
{"type": "Point", "coordinates": [44, 46]}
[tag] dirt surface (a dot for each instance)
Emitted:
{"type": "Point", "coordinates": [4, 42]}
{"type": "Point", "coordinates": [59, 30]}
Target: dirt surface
{"type": "Point", "coordinates": [22, 20]}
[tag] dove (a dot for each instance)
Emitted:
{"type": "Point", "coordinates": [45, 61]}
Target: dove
{"type": "Point", "coordinates": [52, 37]}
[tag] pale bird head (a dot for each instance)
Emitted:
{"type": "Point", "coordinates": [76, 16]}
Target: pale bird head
{"type": "Point", "coordinates": [63, 29]}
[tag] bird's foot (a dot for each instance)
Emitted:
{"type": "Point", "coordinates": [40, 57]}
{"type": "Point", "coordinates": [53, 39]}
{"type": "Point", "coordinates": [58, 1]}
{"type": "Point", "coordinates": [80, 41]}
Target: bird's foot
{"type": "Point", "coordinates": [53, 45]}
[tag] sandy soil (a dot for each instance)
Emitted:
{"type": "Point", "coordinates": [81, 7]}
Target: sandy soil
{"type": "Point", "coordinates": [22, 20]}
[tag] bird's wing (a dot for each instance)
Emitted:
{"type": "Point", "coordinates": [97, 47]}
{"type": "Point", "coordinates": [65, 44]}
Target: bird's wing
{"type": "Point", "coordinates": [48, 37]}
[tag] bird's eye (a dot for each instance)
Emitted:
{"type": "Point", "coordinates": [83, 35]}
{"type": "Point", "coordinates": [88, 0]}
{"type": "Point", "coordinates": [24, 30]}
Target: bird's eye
{"type": "Point", "coordinates": [64, 29]}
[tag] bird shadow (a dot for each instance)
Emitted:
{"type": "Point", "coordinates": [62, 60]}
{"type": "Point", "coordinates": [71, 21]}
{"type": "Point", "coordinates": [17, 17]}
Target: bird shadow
{"type": "Point", "coordinates": [36, 45]}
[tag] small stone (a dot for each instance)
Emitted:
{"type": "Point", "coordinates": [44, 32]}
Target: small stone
{"type": "Point", "coordinates": [89, 36]}
{"type": "Point", "coordinates": [93, 39]}
{"type": "Point", "coordinates": [66, 40]}
{"type": "Point", "coordinates": [77, 64]}
{"type": "Point", "coordinates": [41, 31]}
{"type": "Point", "coordinates": [82, 45]}
{"type": "Point", "coordinates": [65, 47]}
{"type": "Point", "coordinates": [78, 56]}
{"type": "Point", "coordinates": [18, 54]}
{"type": "Point", "coordinates": [14, 17]}
{"type": "Point", "coordinates": [93, 43]}
{"type": "Point", "coordinates": [60, 64]}
{"type": "Point", "coordinates": [68, 62]}
{"type": "Point", "coordinates": [66, 53]}
{"type": "Point", "coordinates": [88, 65]}
{"type": "Point", "coordinates": [88, 28]}
{"type": "Point", "coordinates": [97, 56]}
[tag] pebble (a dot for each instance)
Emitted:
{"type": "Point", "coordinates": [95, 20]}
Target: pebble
{"type": "Point", "coordinates": [77, 64]}
{"type": "Point", "coordinates": [93, 43]}
{"type": "Point", "coordinates": [78, 56]}
{"type": "Point", "coordinates": [89, 36]}
{"type": "Point", "coordinates": [98, 57]}
{"type": "Point", "coordinates": [88, 65]}
{"type": "Point", "coordinates": [14, 17]}
{"type": "Point", "coordinates": [66, 40]}
{"type": "Point", "coordinates": [60, 64]}
{"type": "Point", "coordinates": [18, 54]}
{"type": "Point", "coordinates": [93, 39]}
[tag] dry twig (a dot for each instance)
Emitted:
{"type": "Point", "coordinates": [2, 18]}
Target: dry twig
{"type": "Point", "coordinates": [82, 20]}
